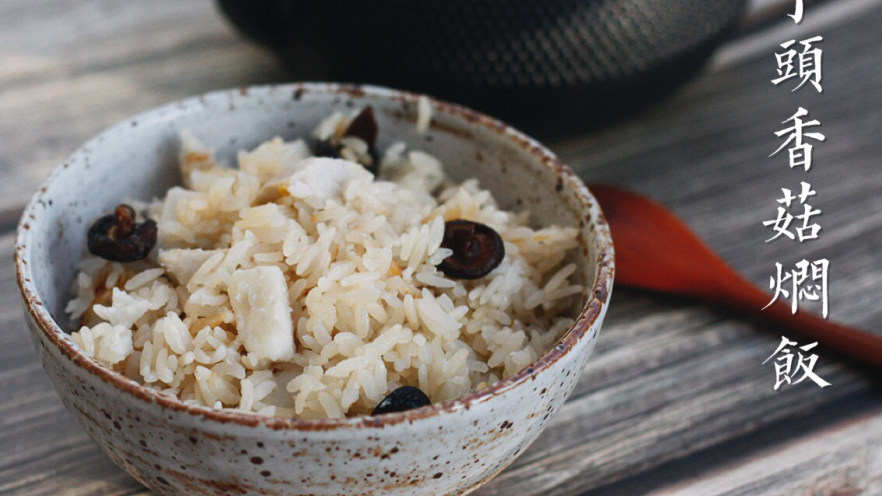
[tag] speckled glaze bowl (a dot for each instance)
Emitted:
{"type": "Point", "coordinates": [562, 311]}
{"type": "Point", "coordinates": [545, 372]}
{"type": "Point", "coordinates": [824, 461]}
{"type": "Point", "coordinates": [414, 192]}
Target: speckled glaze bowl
{"type": "Point", "coordinates": [445, 448]}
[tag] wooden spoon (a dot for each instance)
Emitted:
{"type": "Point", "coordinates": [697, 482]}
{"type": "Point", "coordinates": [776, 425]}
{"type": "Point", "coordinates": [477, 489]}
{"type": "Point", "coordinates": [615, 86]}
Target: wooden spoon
{"type": "Point", "coordinates": [656, 251]}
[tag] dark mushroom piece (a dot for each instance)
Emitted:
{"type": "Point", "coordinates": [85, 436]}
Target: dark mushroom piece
{"type": "Point", "coordinates": [363, 127]}
{"type": "Point", "coordinates": [116, 237]}
{"type": "Point", "coordinates": [477, 249]}
{"type": "Point", "coordinates": [401, 399]}
{"type": "Point", "coordinates": [324, 148]}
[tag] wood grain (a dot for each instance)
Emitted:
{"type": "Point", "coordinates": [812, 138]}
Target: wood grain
{"type": "Point", "coordinates": [675, 399]}
{"type": "Point", "coordinates": [44, 451]}
{"type": "Point", "coordinates": [844, 459]}
{"type": "Point", "coordinates": [67, 71]}
{"type": "Point", "coordinates": [710, 165]}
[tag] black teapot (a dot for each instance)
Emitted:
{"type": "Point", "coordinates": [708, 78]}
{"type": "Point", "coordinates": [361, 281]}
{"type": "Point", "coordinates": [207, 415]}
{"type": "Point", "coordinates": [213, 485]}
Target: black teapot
{"type": "Point", "coordinates": [520, 59]}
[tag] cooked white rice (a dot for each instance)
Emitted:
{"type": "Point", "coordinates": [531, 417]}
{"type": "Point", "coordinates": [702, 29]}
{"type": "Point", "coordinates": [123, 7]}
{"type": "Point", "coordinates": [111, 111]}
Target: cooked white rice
{"type": "Point", "coordinates": [303, 287]}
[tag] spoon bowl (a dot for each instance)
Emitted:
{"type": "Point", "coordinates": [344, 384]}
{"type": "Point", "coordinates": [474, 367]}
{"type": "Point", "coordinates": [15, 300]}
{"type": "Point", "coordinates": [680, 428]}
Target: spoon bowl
{"type": "Point", "coordinates": [656, 251]}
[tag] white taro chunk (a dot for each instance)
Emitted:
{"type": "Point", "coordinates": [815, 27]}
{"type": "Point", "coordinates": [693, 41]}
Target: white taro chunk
{"type": "Point", "coordinates": [323, 179]}
{"type": "Point", "coordinates": [182, 263]}
{"type": "Point", "coordinates": [108, 343]}
{"type": "Point", "coordinates": [274, 158]}
{"type": "Point", "coordinates": [194, 156]}
{"type": "Point", "coordinates": [263, 315]}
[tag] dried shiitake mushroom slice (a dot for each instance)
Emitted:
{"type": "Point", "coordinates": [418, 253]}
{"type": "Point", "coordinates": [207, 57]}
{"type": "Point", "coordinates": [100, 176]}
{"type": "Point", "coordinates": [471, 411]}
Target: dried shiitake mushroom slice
{"type": "Point", "coordinates": [363, 127]}
{"type": "Point", "coordinates": [116, 237]}
{"type": "Point", "coordinates": [477, 249]}
{"type": "Point", "coordinates": [402, 399]}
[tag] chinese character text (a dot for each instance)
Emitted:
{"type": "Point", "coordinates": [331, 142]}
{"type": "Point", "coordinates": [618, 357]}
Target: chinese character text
{"type": "Point", "coordinates": [788, 366]}
{"type": "Point", "coordinates": [806, 281]}
{"type": "Point", "coordinates": [781, 224]}
{"type": "Point", "coordinates": [805, 64]}
{"type": "Point", "coordinates": [800, 152]}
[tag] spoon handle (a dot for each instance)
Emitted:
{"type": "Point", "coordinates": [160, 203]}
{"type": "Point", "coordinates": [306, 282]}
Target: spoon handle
{"type": "Point", "coordinates": [737, 292]}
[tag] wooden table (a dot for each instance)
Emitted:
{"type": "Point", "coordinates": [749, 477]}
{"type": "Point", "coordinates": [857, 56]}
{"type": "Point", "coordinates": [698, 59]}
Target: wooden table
{"type": "Point", "coordinates": [675, 399]}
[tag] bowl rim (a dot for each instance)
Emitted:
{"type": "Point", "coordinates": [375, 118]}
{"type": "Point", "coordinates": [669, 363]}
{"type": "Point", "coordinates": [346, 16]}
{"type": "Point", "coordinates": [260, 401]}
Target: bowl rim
{"type": "Point", "coordinates": [594, 307]}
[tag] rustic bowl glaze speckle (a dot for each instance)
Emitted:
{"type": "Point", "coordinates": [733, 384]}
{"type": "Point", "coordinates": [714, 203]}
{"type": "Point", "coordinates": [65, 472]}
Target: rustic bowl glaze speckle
{"type": "Point", "coordinates": [445, 448]}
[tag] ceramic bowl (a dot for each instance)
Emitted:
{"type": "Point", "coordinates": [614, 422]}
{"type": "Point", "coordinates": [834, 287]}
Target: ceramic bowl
{"type": "Point", "coordinates": [174, 448]}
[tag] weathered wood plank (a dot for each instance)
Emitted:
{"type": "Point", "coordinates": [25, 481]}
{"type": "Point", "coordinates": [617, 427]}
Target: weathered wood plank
{"type": "Point", "coordinates": [68, 70]}
{"type": "Point", "coordinates": [844, 459]}
{"type": "Point", "coordinates": [704, 153]}
{"type": "Point", "coordinates": [44, 451]}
